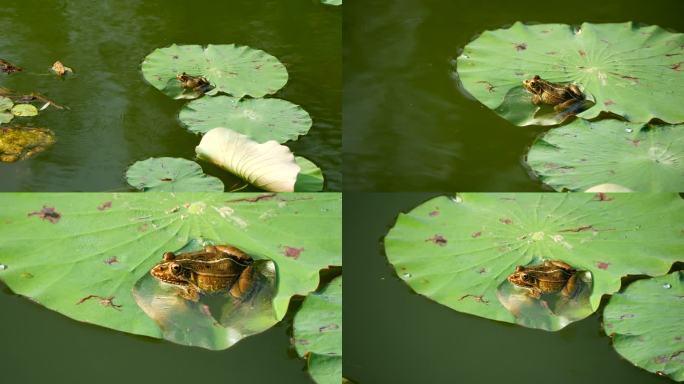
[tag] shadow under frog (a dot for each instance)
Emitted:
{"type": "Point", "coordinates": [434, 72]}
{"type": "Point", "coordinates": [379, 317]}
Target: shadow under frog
{"type": "Point", "coordinates": [548, 294]}
{"type": "Point", "coordinates": [209, 295]}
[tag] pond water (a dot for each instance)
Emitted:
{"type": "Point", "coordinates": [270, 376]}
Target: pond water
{"type": "Point", "coordinates": [407, 127]}
{"type": "Point", "coordinates": [116, 118]}
{"type": "Point", "coordinates": [392, 335]}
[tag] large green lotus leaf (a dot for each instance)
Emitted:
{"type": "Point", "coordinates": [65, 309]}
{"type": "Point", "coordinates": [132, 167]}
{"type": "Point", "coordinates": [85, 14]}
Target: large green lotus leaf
{"type": "Point", "coordinates": [646, 324]}
{"type": "Point", "coordinates": [81, 254]}
{"type": "Point", "coordinates": [459, 250]}
{"type": "Point", "coordinates": [634, 72]}
{"type": "Point", "coordinates": [584, 154]}
{"type": "Point", "coordinates": [310, 178]}
{"type": "Point", "coordinates": [170, 174]}
{"type": "Point", "coordinates": [318, 333]}
{"type": "Point", "coordinates": [232, 69]}
{"type": "Point", "coordinates": [260, 119]}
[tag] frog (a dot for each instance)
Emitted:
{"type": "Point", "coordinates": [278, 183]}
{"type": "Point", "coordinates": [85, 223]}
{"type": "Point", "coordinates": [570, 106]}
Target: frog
{"type": "Point", "coordinates": [560, 96]}
{"type": "Point", "coordinates": [198, 84]}
{"type": "Point", "coordinates": [214, 269]}
{"type": "Point", "coordinates": [551, 277]}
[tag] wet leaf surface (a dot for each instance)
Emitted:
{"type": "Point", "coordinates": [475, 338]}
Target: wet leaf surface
{"type": "Point", "coordinates": [310, 177]}
{"type": "Point", "coordinates": [585, 154]}
{"type": "Point", "coordinates": [169, 174]}
{"type": "Point", "coordinates": [634, 72]}
{"type": "Point", "coordinates": [483, 237]}
{"type": "Point", "coordinates": [645, 322]}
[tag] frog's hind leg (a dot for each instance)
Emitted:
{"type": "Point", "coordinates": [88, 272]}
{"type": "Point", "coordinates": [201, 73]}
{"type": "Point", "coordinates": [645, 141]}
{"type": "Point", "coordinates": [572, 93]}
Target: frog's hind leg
{"type": "Point", "coordinates": [242, 287]}
{"type": "Point", "coordinates": [570, 288]}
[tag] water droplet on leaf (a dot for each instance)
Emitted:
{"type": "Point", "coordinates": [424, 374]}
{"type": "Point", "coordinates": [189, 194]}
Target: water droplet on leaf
{"type": "Point", "coordinates": [406, 275]}
{"type": "Point", "coordinates": [667, 285]}
{"type": "Point", "coordinates": [3, 267]}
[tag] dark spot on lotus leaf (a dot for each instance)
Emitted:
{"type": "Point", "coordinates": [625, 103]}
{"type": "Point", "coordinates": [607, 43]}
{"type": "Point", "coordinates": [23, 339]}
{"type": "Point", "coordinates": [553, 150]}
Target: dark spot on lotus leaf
{"type": "Point", "coordinates": [111, 260]}
{"type": "Point", "coordinates": [520, 46]}
{"type": "Point", "coordinates": [329, 327]}
{"type": "Point", "coordinates": [476, 234]}
{"type": "Point", "coordinates": [434, 213]}
{"type": "Point", "coordinates": [489, 86]}
{"type": "Point", "coordinates": [626, 316]}
{"type": "Point", "coordinates": [482, 270]}
{"type": "Point", "coordinates": [678, 338]}
{"type": "Point", "coordinates": [104, 301]}
{"type": "Point", "coordinates": [26, 275]}
{"type": "Point", "coordinates": [104, 206]}
{"type": "Point", "coordinates": [292, 252]}
{"type": "Point", "coordinates": [661, 359]}
{"type": "Point", "coordinates": [582, 53]}
{"type": "Point", "coordinates": [635, 142]}
{"type": "Point", "coordinates": [601, 196]}
{"type": "Point", "coordinates": [608, 102]}
{"type": "Point", "coordinates": [143, 228]}
{"type": "Point", "coordinates": [677, 66]}
{"type": "Point", "coordinates": [438, 239]}
{"type": "Point", "coordinates": [602, 265]}
{"type": "Point", "coordinates": [174, 57]}
{"type": "Point", "coordinates": [47, 213]}
{"type": "Point", "coordinates": [630, 78]}
{"type": "Point", "coordinates": [552, 52]}
{"type": "Point", "coordinates": [505, 220]}
{"type": "Point", "coordinates": [302, 341]}
{"type": "Point", "coordinates": [166, 179]}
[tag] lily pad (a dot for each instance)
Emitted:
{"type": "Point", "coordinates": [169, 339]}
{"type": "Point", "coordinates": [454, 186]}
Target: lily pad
{"type": "Point", "coordinates": [583, 154]}
{"type": "Point", "coordinates": [19, 143]}
{"type": "Point", "coordinates": [269, 166]}
{"type": "Point", "coordinates": [310, 178]}
{"type": "Point", "coordinates": [82, 254]}
{"type": "Point", "coordinates": [5, 103]}
{"type": "Point", "coordinates": [631, 71]}
{"type": "Point", "coordinates": [458, 250]}
{"type": "Point", "coordinates": [24, 110]}
{"type": "Point", "coordinates": [318, 333]}
{"type": "Point", "coordinates": [260, 119]}
{"type": "Point", "coordinates": [233, 69]}
{"type": "Point", "coordinates": [332, 2]}
{"type": "Point", "coordinates": [169, 174]}
{"type": "Point", "coordinates": [645, 322]}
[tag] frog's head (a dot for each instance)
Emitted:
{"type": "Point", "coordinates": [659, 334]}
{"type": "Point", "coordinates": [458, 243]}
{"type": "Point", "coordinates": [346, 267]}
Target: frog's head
{"type": "Point", "coordinates": [171, 271]}
{"type": "Point", "coordinates": [521, 277]}
{"type": "Point", "coordinates": [533, 85]}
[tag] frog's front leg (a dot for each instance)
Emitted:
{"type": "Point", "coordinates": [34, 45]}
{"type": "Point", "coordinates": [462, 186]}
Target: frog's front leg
{"type": "Point", "coordinates": [570, 287]}
{"type": "Point", "coordinates": [534, 292]}
{"type": "Point", "coordinates": [536, 99]}
{"type": "Point", "coordinates": [242, 287]}
{"type": "Point", "coordinates": [190, 293]}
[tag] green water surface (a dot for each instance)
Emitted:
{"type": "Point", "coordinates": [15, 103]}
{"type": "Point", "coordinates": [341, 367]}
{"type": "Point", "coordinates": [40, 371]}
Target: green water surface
{"type": "Point", "coordinates": [407, 127]}
{"type": "Point", "coordinates": [116, 118]}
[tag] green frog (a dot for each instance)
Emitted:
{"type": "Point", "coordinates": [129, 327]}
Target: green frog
{"type": "Point", "coordinates": [550, 277]}
{"type": "Point", "coordinates": [560, 96]}
{"type": "Point", "coordinates": [216, 268]}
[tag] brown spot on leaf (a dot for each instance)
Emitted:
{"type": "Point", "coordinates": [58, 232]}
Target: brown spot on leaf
{"type": "Point", "coordinates": [478, 298]}
{"type": "Point", "coordinates": [677, 67]}
{"type": "Point", "coordinates": [505, 220]}
{"type": "Point", "coordinates": [635, 142]}
{"type": "Point", "coordinates": [520, 46]}
{"type": "Point", "coordinates": [608, 102]}
{"type": "Point", "coordinates": [490, 87]}
{"type": "Point", "coordinates": [578, 229]}
{"type": "Point", "coordinates": [627, 316]}
{"type": "Point", "coordinates": [329, 327]}
{"type": "Point", "coordinates": [266, 196]}
{"type": "Point", "coordinates": [476, 234]}
{"type": "Point", "coordinates": [601, 196]}
{"type": "Point", "coordinates": [434, 213]}
{"type": "Point", "coordinates": [143, 228]}
{"type": "Point", "coordinates": [482, 270]}
{"type": "Point", "coordinates": [292, 252]}
{"type": "Point", "coordinates": [47, 213]}
{"type": "Point", "coordinates": [552, 52]}
{"type": "Point", "coordinates": [104, 301]}
{"type": "Point", "coordinates": [104, 206]}
{"type": "Point", "coordinates": [582, 53]}
{"type": "Point", "coordinates": [438, 239]}
{"type": "Point", "coordinates": [602, 265]}
{"type": "Point", "coordinates": [111, 260]}
{"type": "Point", "coordinates": [166, 179]}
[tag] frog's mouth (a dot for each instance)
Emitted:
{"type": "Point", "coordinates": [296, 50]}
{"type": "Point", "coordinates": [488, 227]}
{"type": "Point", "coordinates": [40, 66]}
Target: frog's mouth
{"type": "Point", "coordinates": [161, 274]}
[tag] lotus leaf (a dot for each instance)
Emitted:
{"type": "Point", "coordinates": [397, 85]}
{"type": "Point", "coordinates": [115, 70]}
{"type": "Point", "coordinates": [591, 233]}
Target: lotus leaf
{"type": "Point", "coordinates": [236, 70]}
{"type": "Point", "coordinates": [269, 166]}
{"type": "Point", "coordinates": [645, 322]}
{"type": "Point", "coordinates": [583, 154]}
{"type": "Point", "coordinates": [5, 103]}
{"type": "Point", "coordinates": [19, 143]}
{"type": "Point", "coordinates": [318, 333]}
{"type": "Point", "coordinates": [632, 71]}
{"type": "Point", "coordinates": [25, 110]}
{"type": "Point", "coordinates": [169, 174]}
{"type": "Point", "coordinates": [310, 177]}
{"type": "Point", "coordinates": [332, 2]}
{"type": "Point", "coordinates": [458, 250]}
{"type": "Point", "coordinates": [82, 254]}
{"type": "Point", "coordinates": [260, 119]}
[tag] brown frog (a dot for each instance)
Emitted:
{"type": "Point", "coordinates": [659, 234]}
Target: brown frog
{"type": "Point", "coordinates": [559, 95]}
{"type": "Point", "coordinates": [552, 276]}
{"type": "Point", "coordinates": [216, 268]}
{"type": "Point", "coordinates": [197, 84]}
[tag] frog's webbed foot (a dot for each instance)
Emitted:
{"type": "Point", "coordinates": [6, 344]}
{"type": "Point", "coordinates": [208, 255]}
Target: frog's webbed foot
{"type": "Point", "coordinates": [243, 286]}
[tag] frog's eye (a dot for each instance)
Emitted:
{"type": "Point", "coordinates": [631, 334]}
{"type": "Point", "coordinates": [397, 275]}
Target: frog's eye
{"type": "Point", "coordinates": [175, 268]}
{"type": "Point", "coordinates": [525, 277]}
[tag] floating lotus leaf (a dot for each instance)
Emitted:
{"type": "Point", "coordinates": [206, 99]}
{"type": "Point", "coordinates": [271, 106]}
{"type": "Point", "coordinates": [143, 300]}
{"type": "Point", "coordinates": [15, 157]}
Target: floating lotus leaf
{"type": "Point", "coordinates": [260, 119]}
{"type": "Point", "coordinates": [318, 333]}
{"type": "Point", "coordinates": [169, 174]}
{"type": "Point", "coordinates": [645, 322]}
{"type": "Point", "coordinates": [636, 156]}
{"type": "Point", "coordinates": [458, 251]}
{"type": "Point", "coordinates": [24, 110]}
{"type": "Point", "coordinates": [634, 72]}
{"type": "Point", "coordinates": [82, 254]}
{"type": "Point", "coordinates": [310, 177]}
{"type": "Point", "coordinates": [5, 117]}
{"type": "Point", "coordinates": [332, 2]}
{"type": "Point", "coordinates": [269, 166]}
{"type": "Point", "coordinates": [19, 143]}
{"type": "Point", "coordinates": [5, 103]}
{"type": "Point", "coordinates": [232, 69]}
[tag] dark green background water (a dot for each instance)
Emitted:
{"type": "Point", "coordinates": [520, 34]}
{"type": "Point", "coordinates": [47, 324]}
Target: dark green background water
{"type": "Point", "coordinates": [116, 118]}
{"type": "Point", "coordinates": [406, 125]}
{"type": "Point", "coordinates": [392, 335]}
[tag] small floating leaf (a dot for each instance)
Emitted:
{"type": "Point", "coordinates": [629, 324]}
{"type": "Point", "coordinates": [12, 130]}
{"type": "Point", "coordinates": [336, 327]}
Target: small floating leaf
{"type": "Point", "coordinates": [645, 322]}
{"type": "Point", "coordinates": [332, 2]}
{"type": "Point", "coordinates": [634, 72]}
{"type": "Point", "coordinates": [584, 154]}
{"type": "Point", "coordinates": [269, 166]}
{"type": "Point", "coordinates": [5, 117]}
{"type": "Point", "coordinates": [318, 333]}
{"type": "Point", "coordinates": [310, 177]}
{"type": "Point", "coordinates": [5, 103]}
{"type": "Point", "coordinates": [458, 251]}
{"type": "Point", "coordinates": [18, 143]}
{"type": "Point", "coordinates": [260, 119]}
{"type": "Point", "coordinates": [169, 174]}
{"type": "Point", "coordinates": [236, 70]}
{"type": "Point", "coordinates": [24, 110]}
